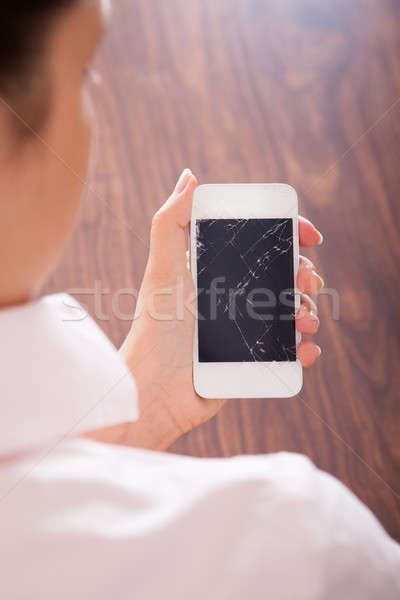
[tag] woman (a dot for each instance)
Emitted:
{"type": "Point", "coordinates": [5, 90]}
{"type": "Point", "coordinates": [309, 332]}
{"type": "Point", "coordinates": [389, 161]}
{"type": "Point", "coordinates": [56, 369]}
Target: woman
{"type": "Point", "coordinates": [81, 515]}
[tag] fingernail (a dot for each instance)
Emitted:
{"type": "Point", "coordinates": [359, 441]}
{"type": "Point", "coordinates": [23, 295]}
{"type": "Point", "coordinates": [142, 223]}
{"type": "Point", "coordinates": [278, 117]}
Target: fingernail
{"type": "Point", "coordinates": [319, 279]}
{"type": "Point", "coordinates": [319, 350]}
{"type": "Point", "coordinates": [181, 184]}
{"type": "Point", "coordinates": [313, 316]}
{"type": "Point", "coordinates": [306, 262]}
{"type": "Point", "coordinates": [321, 238]}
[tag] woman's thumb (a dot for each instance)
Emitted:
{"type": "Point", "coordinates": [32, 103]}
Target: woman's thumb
{"type": "Point", "coordinates": [168, 236]}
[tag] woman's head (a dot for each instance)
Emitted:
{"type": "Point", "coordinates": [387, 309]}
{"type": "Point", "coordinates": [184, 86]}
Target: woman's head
{"type": "Point", "coordinates": [24, 32]}
{"type": "Point", "coordinates": [46, 47]}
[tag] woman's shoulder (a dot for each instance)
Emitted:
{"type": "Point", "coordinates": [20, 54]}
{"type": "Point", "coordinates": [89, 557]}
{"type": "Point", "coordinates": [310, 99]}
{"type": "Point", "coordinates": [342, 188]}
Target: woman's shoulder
{"type": "Point", "coordinates": [253, 523]}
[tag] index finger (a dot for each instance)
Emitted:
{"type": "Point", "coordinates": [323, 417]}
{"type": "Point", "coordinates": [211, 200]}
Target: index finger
{"type": "Point", "coordinates": [308, 234]}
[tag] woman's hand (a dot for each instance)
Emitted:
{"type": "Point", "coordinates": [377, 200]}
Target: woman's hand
{"type": "Point", "coordinates": [159, 347]}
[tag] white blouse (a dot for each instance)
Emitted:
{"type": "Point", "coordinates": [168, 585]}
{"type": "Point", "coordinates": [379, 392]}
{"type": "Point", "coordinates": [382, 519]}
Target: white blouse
{"type": "Point", "coordinates": [81, 520]}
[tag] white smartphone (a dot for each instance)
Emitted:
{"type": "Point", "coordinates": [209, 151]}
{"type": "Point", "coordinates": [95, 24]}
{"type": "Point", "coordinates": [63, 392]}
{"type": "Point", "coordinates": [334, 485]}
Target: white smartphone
{"type": "Point", "coordinates": [244, 262]}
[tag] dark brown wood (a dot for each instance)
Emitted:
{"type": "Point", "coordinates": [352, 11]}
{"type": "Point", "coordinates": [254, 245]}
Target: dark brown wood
{"type": "Point", "coordinates": [298, 91]}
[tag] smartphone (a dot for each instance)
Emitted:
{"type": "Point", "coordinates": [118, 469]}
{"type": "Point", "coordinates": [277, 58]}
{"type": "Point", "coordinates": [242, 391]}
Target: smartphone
{"type": "Point", "coordinates": [244, 261]}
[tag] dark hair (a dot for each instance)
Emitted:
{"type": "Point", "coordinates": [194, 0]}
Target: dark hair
{"type": "Point", "coordinates": [24, 27]}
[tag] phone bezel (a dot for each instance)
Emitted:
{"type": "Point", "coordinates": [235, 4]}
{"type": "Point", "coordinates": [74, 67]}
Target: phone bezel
{"type": "Point", "coordinates": [245, 379]}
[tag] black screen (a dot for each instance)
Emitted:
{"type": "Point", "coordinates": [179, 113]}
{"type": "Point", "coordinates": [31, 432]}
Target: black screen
{"type": "Point", "coordinates": [245, 290]}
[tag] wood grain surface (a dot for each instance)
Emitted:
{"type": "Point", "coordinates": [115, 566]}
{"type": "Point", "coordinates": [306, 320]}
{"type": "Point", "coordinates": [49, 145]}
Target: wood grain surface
{"type": "Point", "coordinates": [298, 91]}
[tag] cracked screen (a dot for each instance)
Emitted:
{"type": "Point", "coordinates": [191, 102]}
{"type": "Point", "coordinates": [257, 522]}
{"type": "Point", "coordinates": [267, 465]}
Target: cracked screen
{"type": "Point", "coordinates": [245, 281]}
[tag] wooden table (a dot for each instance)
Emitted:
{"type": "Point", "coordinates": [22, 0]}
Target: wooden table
{"type": "Point", "coordinates": [298, 91]}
